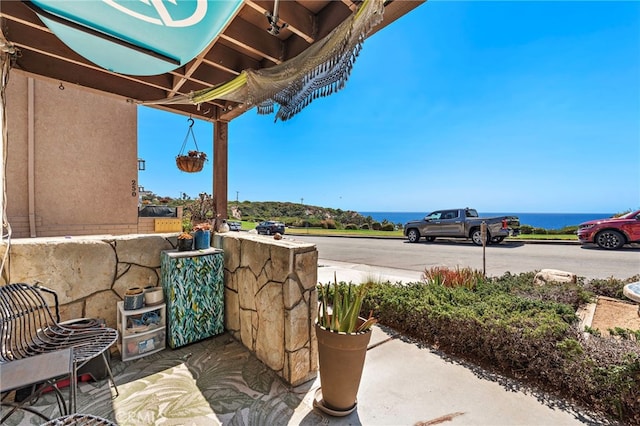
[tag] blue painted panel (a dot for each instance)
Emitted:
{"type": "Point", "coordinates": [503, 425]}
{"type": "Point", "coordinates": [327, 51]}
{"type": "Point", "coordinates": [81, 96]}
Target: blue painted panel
{"type": "Point", "coordinates": [177, 29]}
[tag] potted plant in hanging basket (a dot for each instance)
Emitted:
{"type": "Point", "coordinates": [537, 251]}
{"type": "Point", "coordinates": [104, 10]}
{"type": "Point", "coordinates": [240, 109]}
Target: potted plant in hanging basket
{"type": "Point", "coordinates": [192, 162]}
{"type": "Point", "coordinates": [343, 337]}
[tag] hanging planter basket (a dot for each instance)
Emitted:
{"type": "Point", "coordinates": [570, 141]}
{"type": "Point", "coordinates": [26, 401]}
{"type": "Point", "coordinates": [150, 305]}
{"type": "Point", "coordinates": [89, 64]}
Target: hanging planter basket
{"type": "Point", "coordinates": [193, 161]}
{"type": "Point", "coordinates": [191, 164]}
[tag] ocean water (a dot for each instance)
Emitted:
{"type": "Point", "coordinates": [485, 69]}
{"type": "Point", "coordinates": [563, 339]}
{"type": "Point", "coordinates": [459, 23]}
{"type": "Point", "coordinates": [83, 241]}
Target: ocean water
{"type": "Point", "coordinates": [537, 220]}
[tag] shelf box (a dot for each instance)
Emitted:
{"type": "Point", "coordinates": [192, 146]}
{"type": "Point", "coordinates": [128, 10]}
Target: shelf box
{"type": "Point", "coordinates": [143, 345]}
{"type": "Point", "coordinates": [138, 341]}
{"type": "Point", "coordinates": [167, 225]}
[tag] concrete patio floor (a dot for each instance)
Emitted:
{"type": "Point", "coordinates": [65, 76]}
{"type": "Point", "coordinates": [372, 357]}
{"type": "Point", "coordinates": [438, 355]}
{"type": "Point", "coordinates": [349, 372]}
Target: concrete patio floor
{"type": "Point", "coordinates": [217, 381]}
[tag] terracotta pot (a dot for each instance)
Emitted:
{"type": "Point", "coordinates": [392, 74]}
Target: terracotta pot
{"type": "Point", "coordinates": [341, 360]}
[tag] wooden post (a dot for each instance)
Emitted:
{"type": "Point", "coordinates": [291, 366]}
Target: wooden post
{"type": "Point", "coordinates": [483, 235]}
{"type": "Point", "coordinates": [220, 169]}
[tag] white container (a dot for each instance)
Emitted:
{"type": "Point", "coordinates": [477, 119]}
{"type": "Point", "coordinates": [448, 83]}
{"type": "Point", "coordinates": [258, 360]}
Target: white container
{"type": "Point", "coordinates": [153, 296]}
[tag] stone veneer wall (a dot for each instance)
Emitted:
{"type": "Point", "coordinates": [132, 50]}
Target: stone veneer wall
{"type": "Point", "coordinates": [270, 294]}
{"type": "Point", "coordinates": [271, 301]}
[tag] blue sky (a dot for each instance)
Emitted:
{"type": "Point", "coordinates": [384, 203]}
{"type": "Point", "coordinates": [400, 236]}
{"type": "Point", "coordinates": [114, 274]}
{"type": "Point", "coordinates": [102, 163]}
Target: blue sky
{"type": "Point", "coordinates": [500, 106]}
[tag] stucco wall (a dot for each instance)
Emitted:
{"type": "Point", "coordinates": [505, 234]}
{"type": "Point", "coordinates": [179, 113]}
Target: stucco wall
{"type": "Point", "coordinates": [85, 177]}
{"type": "Point", "coordinates": [270, 293]}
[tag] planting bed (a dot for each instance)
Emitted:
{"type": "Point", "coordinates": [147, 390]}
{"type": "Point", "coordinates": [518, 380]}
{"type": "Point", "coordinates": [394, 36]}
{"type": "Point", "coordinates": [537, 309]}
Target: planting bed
{"type": "Point", "coordinates": [610, 313]}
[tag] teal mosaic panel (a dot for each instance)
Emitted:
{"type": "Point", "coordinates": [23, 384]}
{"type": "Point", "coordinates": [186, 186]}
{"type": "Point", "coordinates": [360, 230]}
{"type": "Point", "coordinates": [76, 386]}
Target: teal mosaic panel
{"type": "Point", "coordinates": [194, 292]}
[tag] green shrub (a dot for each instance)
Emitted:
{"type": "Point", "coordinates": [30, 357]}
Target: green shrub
{"type": "Point", "coordinates": [527, 332]}
{"type": "Point", "coordinates": [567, 230]}
{"type": "Point", "coordinates": [574, 295]}
{"type": "Point", "coordinates": [526, 229]}
{"type": "Point", "coordinates": [539, 231]}
{"type": "Point", "coordinates": [388, 227]}
{"type": "Point", "coordinates": [364, 226]}
{"type": "Point", "coordinates": [609, 287]}
{"type": "Point", "coordinates": [376, 226]}
{"type": "Point", "coordinates": [308, 223]}
{"type": "Point", "coordinates": [351, 226]}
{"type": "Point", "coordinates": [328, 224]}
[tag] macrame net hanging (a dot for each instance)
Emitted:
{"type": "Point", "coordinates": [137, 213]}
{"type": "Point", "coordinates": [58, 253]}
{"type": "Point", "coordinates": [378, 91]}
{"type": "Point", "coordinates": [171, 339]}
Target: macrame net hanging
{"type": "Point", "coordinates": [320, 70]}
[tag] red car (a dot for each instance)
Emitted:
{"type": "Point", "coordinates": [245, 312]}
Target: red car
{"type": "Point", "coordinates": [613, 232]}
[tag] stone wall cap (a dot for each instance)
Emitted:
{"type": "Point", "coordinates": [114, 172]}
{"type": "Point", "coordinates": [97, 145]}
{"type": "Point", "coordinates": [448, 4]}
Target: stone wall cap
{"type": "Point", "coordinates": [75, 238]}
{"type": "Point", "coordinates": [103, 237]}
{"type": "Point", "coordinates": [286, 242]}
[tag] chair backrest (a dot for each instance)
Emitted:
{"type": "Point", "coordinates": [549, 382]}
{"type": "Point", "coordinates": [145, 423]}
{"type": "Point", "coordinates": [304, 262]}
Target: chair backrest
{"type": "Point", "coordinates": [24, 314]}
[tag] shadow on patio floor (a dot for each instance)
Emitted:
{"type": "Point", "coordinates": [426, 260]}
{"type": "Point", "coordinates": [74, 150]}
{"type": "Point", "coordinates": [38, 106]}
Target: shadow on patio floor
{"type": "Point", "coordinates": [215, 381]}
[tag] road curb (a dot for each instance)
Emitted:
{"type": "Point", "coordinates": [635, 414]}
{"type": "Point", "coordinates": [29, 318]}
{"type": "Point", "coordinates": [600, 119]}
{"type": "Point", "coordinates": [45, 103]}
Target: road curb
{"type": "Point", "coordinates": [382, 237]}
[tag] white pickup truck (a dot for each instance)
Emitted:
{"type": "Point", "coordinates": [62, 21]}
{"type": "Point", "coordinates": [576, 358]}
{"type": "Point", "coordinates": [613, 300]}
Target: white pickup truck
{"type": "Point", "coordinates": [461, 223]}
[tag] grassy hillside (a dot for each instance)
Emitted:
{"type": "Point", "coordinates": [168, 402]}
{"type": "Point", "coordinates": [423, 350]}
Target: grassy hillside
{"type": "Point", "coordinates": [295, 214]}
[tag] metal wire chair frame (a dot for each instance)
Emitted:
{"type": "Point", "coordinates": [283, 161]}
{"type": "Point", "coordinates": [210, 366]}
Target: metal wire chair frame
{"type": "Point", "coordinates": [27, 328]}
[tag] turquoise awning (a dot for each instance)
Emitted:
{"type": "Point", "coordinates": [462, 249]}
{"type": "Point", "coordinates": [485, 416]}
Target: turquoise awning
{"type": "Point", "coordinates": [137, 37]}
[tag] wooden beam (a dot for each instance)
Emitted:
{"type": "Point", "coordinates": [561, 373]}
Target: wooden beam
{"type": "Point", "coordinates": [220, 169]}
{"type": "Point", "coordinates": [255, 40]}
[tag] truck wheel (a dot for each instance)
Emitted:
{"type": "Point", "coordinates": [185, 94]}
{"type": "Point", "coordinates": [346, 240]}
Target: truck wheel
{"type": "Point", "coordinates": [430, 239]}
{"type": "Point", "coordinates": [476, 237]}
{"type": "Point", "coordinates": [497, 240]}
{"type": "Point", "coordinates": [610, 239]}
{"type": "Point", "coordinates": [413, 235]}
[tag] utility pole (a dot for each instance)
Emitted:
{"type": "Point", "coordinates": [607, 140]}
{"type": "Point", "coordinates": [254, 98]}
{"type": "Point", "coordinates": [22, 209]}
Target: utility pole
{"type": "Point", "coordinates": [237, 193]}
{"type": "Point", "coordinates": [301, 200]}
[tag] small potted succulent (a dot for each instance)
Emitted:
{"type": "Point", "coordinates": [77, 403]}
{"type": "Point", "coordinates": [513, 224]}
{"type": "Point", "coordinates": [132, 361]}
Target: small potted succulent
{"type": "Point", "coordinates": [185, 241]}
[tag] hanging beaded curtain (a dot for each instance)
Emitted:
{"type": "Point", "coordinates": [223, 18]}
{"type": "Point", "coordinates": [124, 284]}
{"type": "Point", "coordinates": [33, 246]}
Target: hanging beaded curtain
{"type": "Point", "coordinates": [319, 71]}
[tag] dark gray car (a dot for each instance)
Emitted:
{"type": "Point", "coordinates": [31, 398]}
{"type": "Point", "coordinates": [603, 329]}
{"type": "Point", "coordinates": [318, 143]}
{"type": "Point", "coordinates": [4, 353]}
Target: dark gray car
{"type": "Point", "coordinates": [270, 227]}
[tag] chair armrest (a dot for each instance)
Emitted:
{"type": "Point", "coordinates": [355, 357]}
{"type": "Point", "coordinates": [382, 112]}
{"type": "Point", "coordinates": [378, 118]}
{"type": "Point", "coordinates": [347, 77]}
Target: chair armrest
{"type": "Point", "coordinates": [55, 298]}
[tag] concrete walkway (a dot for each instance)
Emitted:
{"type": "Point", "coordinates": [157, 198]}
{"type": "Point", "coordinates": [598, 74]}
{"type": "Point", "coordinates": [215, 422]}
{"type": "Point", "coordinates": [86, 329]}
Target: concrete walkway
{"type": "Point", "coordinates": [404, 383]}
{"type": "Point", "coordinates": [356, 273]}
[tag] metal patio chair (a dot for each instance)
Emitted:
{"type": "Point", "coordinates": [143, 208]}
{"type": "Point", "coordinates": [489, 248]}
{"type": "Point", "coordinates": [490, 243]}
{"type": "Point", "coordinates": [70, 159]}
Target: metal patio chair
{"type": "Point", "coordinates": [28, 328]}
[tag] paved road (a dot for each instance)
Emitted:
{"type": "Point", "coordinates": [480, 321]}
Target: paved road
{"type": "Point", "coordinates": [515, 257]}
